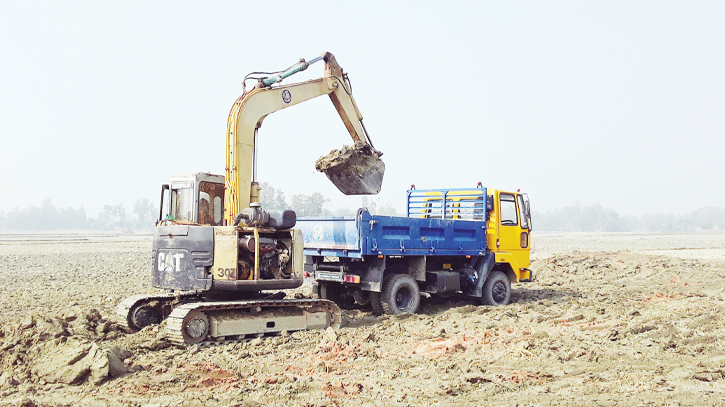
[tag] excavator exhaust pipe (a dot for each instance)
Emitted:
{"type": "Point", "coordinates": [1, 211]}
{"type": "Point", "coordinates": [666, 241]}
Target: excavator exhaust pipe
{"type": "Point", "coordinates": [354, 170]}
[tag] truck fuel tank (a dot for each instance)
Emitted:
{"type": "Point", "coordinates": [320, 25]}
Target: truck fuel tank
{"type": "Point", "coordinates": [442, 282]}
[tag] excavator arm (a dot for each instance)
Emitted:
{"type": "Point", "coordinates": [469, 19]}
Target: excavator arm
{"type": "Point", "coordinates": [358, 172]}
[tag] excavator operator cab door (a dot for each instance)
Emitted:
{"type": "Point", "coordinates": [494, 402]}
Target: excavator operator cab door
{"type": "Point", "coordinates": [177, 202]}
{"type": "Point", "coordinates": [195, 198]}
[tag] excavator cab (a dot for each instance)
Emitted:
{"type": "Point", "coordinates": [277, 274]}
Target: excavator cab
{"type": "Point", "coordinates": [193, 198]}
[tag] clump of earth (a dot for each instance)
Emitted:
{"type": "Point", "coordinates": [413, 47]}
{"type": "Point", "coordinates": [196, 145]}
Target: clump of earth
{"type": "Point", "coordinates": [355, 170]}
{"type": "Point", "coordinates": [360, 156]}
{"type": "Point", "coordinates": [609, 320]}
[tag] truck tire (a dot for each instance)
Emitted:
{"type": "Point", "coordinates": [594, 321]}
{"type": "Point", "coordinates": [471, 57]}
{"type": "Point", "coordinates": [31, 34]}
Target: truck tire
{"type": "Point", "coordinates": [376, 304]}
{"type": "Point", "coordinates": [336, 293]}
{"type": "Point", "coordinates": [400, 294]}
{"type": "Point", "coordinates": [496, 289]}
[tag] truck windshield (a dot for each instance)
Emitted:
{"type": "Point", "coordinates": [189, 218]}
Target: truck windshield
{"type": "Point", "coordinates": [182, 202]}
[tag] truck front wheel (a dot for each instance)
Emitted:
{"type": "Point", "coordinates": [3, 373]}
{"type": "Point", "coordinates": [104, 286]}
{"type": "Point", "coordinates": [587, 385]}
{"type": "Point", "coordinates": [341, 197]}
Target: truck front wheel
{"type": "Point", "coordinates": [400, 294]}
{"type": "Point", "coordinates": [496, 289]}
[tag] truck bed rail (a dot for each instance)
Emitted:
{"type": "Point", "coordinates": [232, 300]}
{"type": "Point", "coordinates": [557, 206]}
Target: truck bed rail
{"type": "Point", "coordinates": [462, 204]}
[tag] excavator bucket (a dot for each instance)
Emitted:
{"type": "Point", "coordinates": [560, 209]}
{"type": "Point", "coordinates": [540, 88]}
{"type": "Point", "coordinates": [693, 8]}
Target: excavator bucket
{"type": "Point", "coordinates": [355, 170]}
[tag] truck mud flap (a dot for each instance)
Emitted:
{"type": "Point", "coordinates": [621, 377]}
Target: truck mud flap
{"type": "Point", "coordinates": [483, 266]}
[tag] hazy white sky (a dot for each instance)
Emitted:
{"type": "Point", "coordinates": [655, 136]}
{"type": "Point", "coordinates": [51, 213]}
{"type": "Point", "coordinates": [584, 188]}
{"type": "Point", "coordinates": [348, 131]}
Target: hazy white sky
{"type": "Point", "coordinates": [620, 103]}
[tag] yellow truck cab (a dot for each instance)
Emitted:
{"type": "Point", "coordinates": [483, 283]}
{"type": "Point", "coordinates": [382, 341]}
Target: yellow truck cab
{"type": "Point", "coordinates": [508, 223]}
{"type": "Point", "coordinates": [508, 232]}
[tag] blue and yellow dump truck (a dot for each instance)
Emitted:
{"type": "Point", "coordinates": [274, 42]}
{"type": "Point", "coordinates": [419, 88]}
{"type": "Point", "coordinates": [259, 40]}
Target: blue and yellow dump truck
{"type": "Point", "coordinates": [470, 241]}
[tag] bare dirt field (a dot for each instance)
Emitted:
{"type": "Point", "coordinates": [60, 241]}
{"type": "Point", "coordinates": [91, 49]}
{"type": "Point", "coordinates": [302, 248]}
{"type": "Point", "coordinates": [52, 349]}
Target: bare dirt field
{"type": "Point", "coordinates": [611, 319]}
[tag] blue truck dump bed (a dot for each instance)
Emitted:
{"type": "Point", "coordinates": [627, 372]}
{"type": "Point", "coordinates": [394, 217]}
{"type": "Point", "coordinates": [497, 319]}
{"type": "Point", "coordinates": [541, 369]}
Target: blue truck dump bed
{"type": "Point", "coordinates": [368, 234]}
{"type": "Point", "coordinates": [438, 222]}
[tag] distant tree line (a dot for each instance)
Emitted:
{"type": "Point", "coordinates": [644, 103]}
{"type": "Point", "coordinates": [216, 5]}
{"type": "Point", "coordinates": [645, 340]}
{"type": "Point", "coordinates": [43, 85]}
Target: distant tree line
{"type": "Point", "coordinates": [144, 213]}
{"type": "Point", "coordinates": [49, 217]}
{"type": "Point", "coordinates": [595, 218]}
{"type": "Point", "coordinates": [575, 218]}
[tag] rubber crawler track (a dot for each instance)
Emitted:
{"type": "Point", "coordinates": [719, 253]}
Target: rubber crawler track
{"type": "Point", "coordinates": [174, 323]}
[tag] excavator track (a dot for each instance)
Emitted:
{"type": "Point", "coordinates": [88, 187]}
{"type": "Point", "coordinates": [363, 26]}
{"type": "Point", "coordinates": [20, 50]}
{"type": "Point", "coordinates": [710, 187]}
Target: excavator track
{"type": "Point", "coordinates": [205, 323]}
{"type": "Point", "coordinates": [128, 307]}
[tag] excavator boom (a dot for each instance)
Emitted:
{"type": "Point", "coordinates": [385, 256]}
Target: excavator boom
{"type": "Point", "coordinates": [355, 170]}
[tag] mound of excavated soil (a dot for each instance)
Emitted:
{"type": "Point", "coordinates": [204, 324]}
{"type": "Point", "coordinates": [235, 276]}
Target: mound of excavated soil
{"type": "Point", "coordinates": [597, 327]}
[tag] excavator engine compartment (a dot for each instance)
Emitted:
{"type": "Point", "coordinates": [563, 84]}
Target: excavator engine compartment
{"type": "Point", "coordinates": [354, 170]}
{"type": "Point", "coordinates": [274, 258]}
{"type": "Point", "coordinates": [238, 249]}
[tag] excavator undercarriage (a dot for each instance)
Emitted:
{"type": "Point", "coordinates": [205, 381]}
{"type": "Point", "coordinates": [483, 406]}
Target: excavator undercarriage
{"type": "Point", "coordinates": [208, 322]}
{"type": "Point", "coordinates": [196, 321]}
{"type": "Point", "coordinates": [214, 277]}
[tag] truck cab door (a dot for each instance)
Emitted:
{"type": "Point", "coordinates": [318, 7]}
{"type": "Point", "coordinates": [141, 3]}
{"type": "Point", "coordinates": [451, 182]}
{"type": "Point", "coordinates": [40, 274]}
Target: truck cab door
{"type": "Point", "coordinates": [513, 232]}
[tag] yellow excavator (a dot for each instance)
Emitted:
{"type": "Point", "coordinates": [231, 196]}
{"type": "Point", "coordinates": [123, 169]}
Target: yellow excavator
{"type": "Point", "coordinates": [217, 252]}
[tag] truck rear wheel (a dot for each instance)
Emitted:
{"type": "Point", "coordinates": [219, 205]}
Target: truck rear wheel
{"type": "Point", "coordinates": [400, 294]}
{"type": "Point", "coordinates": [376, 304]}
{"type": "Point", "coordinates": [496, 289]}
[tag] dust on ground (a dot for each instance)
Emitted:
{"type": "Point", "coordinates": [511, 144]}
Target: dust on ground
{"type": "Point", "coordinates": [612, 319]}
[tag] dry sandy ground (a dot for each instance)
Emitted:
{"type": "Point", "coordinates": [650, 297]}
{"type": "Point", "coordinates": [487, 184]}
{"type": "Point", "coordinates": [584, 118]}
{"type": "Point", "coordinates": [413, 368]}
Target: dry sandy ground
{"type": "Point", "coordinates": [612, 319]}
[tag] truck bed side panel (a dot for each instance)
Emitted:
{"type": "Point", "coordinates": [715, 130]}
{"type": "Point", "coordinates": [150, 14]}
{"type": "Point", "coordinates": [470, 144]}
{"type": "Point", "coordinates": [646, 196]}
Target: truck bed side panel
{"type": "Point", "coordinates": [330, 233]}
{"type": "Point", "coordinates": [392, 235]}
{"type": "Point", "coordinates": [416, 236]}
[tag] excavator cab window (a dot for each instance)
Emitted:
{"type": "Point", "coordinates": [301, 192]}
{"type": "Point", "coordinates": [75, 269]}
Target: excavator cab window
{"type": "Point", "coordinates": [211, 202]}
{"type": "Point", "coordinates": [165, 204]}
{"type": "Point", "coordinates": [182, 201]}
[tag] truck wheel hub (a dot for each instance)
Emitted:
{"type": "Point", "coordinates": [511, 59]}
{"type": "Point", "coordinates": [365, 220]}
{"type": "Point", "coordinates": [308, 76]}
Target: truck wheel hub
{"type": "Point", "coordinates": [403, 299]}
{"type": "Point", "coordinates": [499, 291]}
